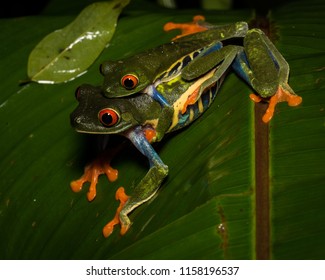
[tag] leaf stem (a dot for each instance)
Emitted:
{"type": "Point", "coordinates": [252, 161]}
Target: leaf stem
{"type": "Point", "coordinates": [262, 184]}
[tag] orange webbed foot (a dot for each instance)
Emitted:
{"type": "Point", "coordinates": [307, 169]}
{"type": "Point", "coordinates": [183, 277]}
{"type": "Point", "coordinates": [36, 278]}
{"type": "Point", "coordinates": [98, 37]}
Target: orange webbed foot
{"type": "Point", "coordinates": [108, 228]}
{"type": "Point", "coordinates": [282, 95]}
{"type": "Point", "coordinates": [187, 28]}
{"type": "Point", "coordinates": [91, 173]}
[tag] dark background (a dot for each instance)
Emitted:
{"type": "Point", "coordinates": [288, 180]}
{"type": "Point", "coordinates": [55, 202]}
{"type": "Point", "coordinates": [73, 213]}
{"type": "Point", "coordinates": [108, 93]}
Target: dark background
{"type": "Point", "coordinates": [20, 8]}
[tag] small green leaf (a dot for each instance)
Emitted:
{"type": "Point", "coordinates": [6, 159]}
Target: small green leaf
{"type": "Point", "coordinates": [67, 53]}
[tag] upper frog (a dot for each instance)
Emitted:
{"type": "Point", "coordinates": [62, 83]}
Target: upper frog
{"type": "Point", "coordinates": [151, 67]}
{"type": "Point", "coordinates": [257, 61]}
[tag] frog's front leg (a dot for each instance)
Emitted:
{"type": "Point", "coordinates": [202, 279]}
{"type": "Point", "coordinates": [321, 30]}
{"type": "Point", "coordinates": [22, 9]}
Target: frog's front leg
{"type": "Point", "coordinates": [166, 114]}
{"type": "Point", "coordinates": [147, 187]}
{"type": "Point", "coordinates": [156, 95]}
{"type": "Point", "coordinates": [99, 166]}
{"type": "Point", "coordinates": [266, 70]}
{"type": "Point", "coordinates": [219, 59]}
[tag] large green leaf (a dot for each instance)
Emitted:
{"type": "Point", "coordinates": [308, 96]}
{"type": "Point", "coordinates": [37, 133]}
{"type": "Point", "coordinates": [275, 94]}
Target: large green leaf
{"type": "Point", "coordinates": [210, 206]}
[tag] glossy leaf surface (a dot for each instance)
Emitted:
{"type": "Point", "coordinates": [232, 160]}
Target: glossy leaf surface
{"type": "Point", "coordinates": [67, 53]}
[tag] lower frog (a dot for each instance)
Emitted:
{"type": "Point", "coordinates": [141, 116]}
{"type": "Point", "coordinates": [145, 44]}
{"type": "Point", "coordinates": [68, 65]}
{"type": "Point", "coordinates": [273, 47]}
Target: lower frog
{"type": "Point", "coordinates": [139, 118]}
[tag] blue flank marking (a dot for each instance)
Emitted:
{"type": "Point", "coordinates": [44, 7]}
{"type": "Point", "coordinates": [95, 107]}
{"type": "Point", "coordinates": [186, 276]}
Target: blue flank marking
{"type": "Point", "coordinates": [242, 58]}
{"type": "Point", "coordinates": [156, 95]}
{"type": "Point", "coordinates": [276, 63]}
{"type": "Point", "coordinates": [182, 119]}
{"type": "Point", "coordinates": [236, 65]}
{"type": "Point", "coordinates": [207, 98]}
{"type": "Point", "coordinates": [213, 48]}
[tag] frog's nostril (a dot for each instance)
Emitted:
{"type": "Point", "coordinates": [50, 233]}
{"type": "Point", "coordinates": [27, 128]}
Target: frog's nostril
{"type": "Point", "coordinates": [78, 120]}
{"type": "Point", "coordinates": [75, 120]}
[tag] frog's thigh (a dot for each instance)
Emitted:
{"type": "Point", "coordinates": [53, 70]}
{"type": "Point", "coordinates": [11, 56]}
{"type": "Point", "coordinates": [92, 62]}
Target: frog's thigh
{"type": "Point", "coordinates": [257, 38]}
{"type": "Point", "coordinates": [222, 57]}
{"type": "Point", "coordinates": [261, 64]}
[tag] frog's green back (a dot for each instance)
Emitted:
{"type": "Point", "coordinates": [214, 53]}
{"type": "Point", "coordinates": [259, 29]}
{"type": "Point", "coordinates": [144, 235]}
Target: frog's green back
{"type": "Point", "coordinates": [147, 66]}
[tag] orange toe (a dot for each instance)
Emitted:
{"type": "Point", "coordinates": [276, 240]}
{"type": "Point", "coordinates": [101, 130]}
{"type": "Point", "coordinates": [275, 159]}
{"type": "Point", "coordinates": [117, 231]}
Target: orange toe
{"type": "Point", "coordinates": [186, 28]}
{"type": "Point", "coordinates": [91, 174]}
{"type": "Point", "coordinates": [108, 228]}
{"type": "Point", "coordinates": [282, 95]}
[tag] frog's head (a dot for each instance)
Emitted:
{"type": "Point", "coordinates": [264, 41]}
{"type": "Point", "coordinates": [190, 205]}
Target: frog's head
{"type": "Point", "coordinates": [123, 77]}
{"type": "Point", "coordinates": [100, 115]}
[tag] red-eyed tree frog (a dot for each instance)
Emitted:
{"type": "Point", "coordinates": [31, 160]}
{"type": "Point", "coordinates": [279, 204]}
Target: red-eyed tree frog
{"type": "Point", "coordinates": [139, 118]}
{"type": "Point", "coordinates": [257, 61]}
{"type": "Point", "coordinates": [169, 88]}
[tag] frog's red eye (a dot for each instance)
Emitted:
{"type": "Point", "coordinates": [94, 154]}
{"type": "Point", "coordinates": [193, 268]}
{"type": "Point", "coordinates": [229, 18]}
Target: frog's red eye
{"type": "Point", "coordinates": [108, 117]}
{"type": "Point", "coordinates": [129, 81]}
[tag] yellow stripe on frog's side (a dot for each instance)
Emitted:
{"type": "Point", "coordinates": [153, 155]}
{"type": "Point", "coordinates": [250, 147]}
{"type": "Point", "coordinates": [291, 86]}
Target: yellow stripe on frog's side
{"type": "Point", "coordinates": [172, 82]}
{"type": "Point", "coordinates": [191, 115]}
{"type": "Point", "coordinates": [200, 105]}
{"type": "Point", "coordinates": [177, 66]}
{"type": "Point", "coordinates": [180, 102]}
{"type": "Point", "coordinates": [153, 123]}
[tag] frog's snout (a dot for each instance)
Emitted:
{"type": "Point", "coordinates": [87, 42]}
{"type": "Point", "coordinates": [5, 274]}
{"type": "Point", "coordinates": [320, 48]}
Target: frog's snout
{"type": "Point", "coordinates": [76, 119]}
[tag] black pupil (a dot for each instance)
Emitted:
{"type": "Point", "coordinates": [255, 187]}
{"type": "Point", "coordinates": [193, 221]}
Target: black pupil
{"type": "Point", "coordinates": [107, 119]}
{"type": "Point", "coordinates": [128, 83]}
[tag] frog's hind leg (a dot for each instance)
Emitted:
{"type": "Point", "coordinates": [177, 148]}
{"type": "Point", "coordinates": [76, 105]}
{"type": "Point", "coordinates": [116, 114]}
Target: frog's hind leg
{"type": "Point", "coordinates": [220, 59]}
{"type": "Point", "coordinates": [217, 63]}
{"type": "Point", "coordinates": [266, 70]}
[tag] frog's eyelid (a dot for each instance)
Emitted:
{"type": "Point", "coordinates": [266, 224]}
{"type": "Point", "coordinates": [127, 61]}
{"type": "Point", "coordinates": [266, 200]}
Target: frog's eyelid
{"type": "Point", "coordinates": [105, 68]}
